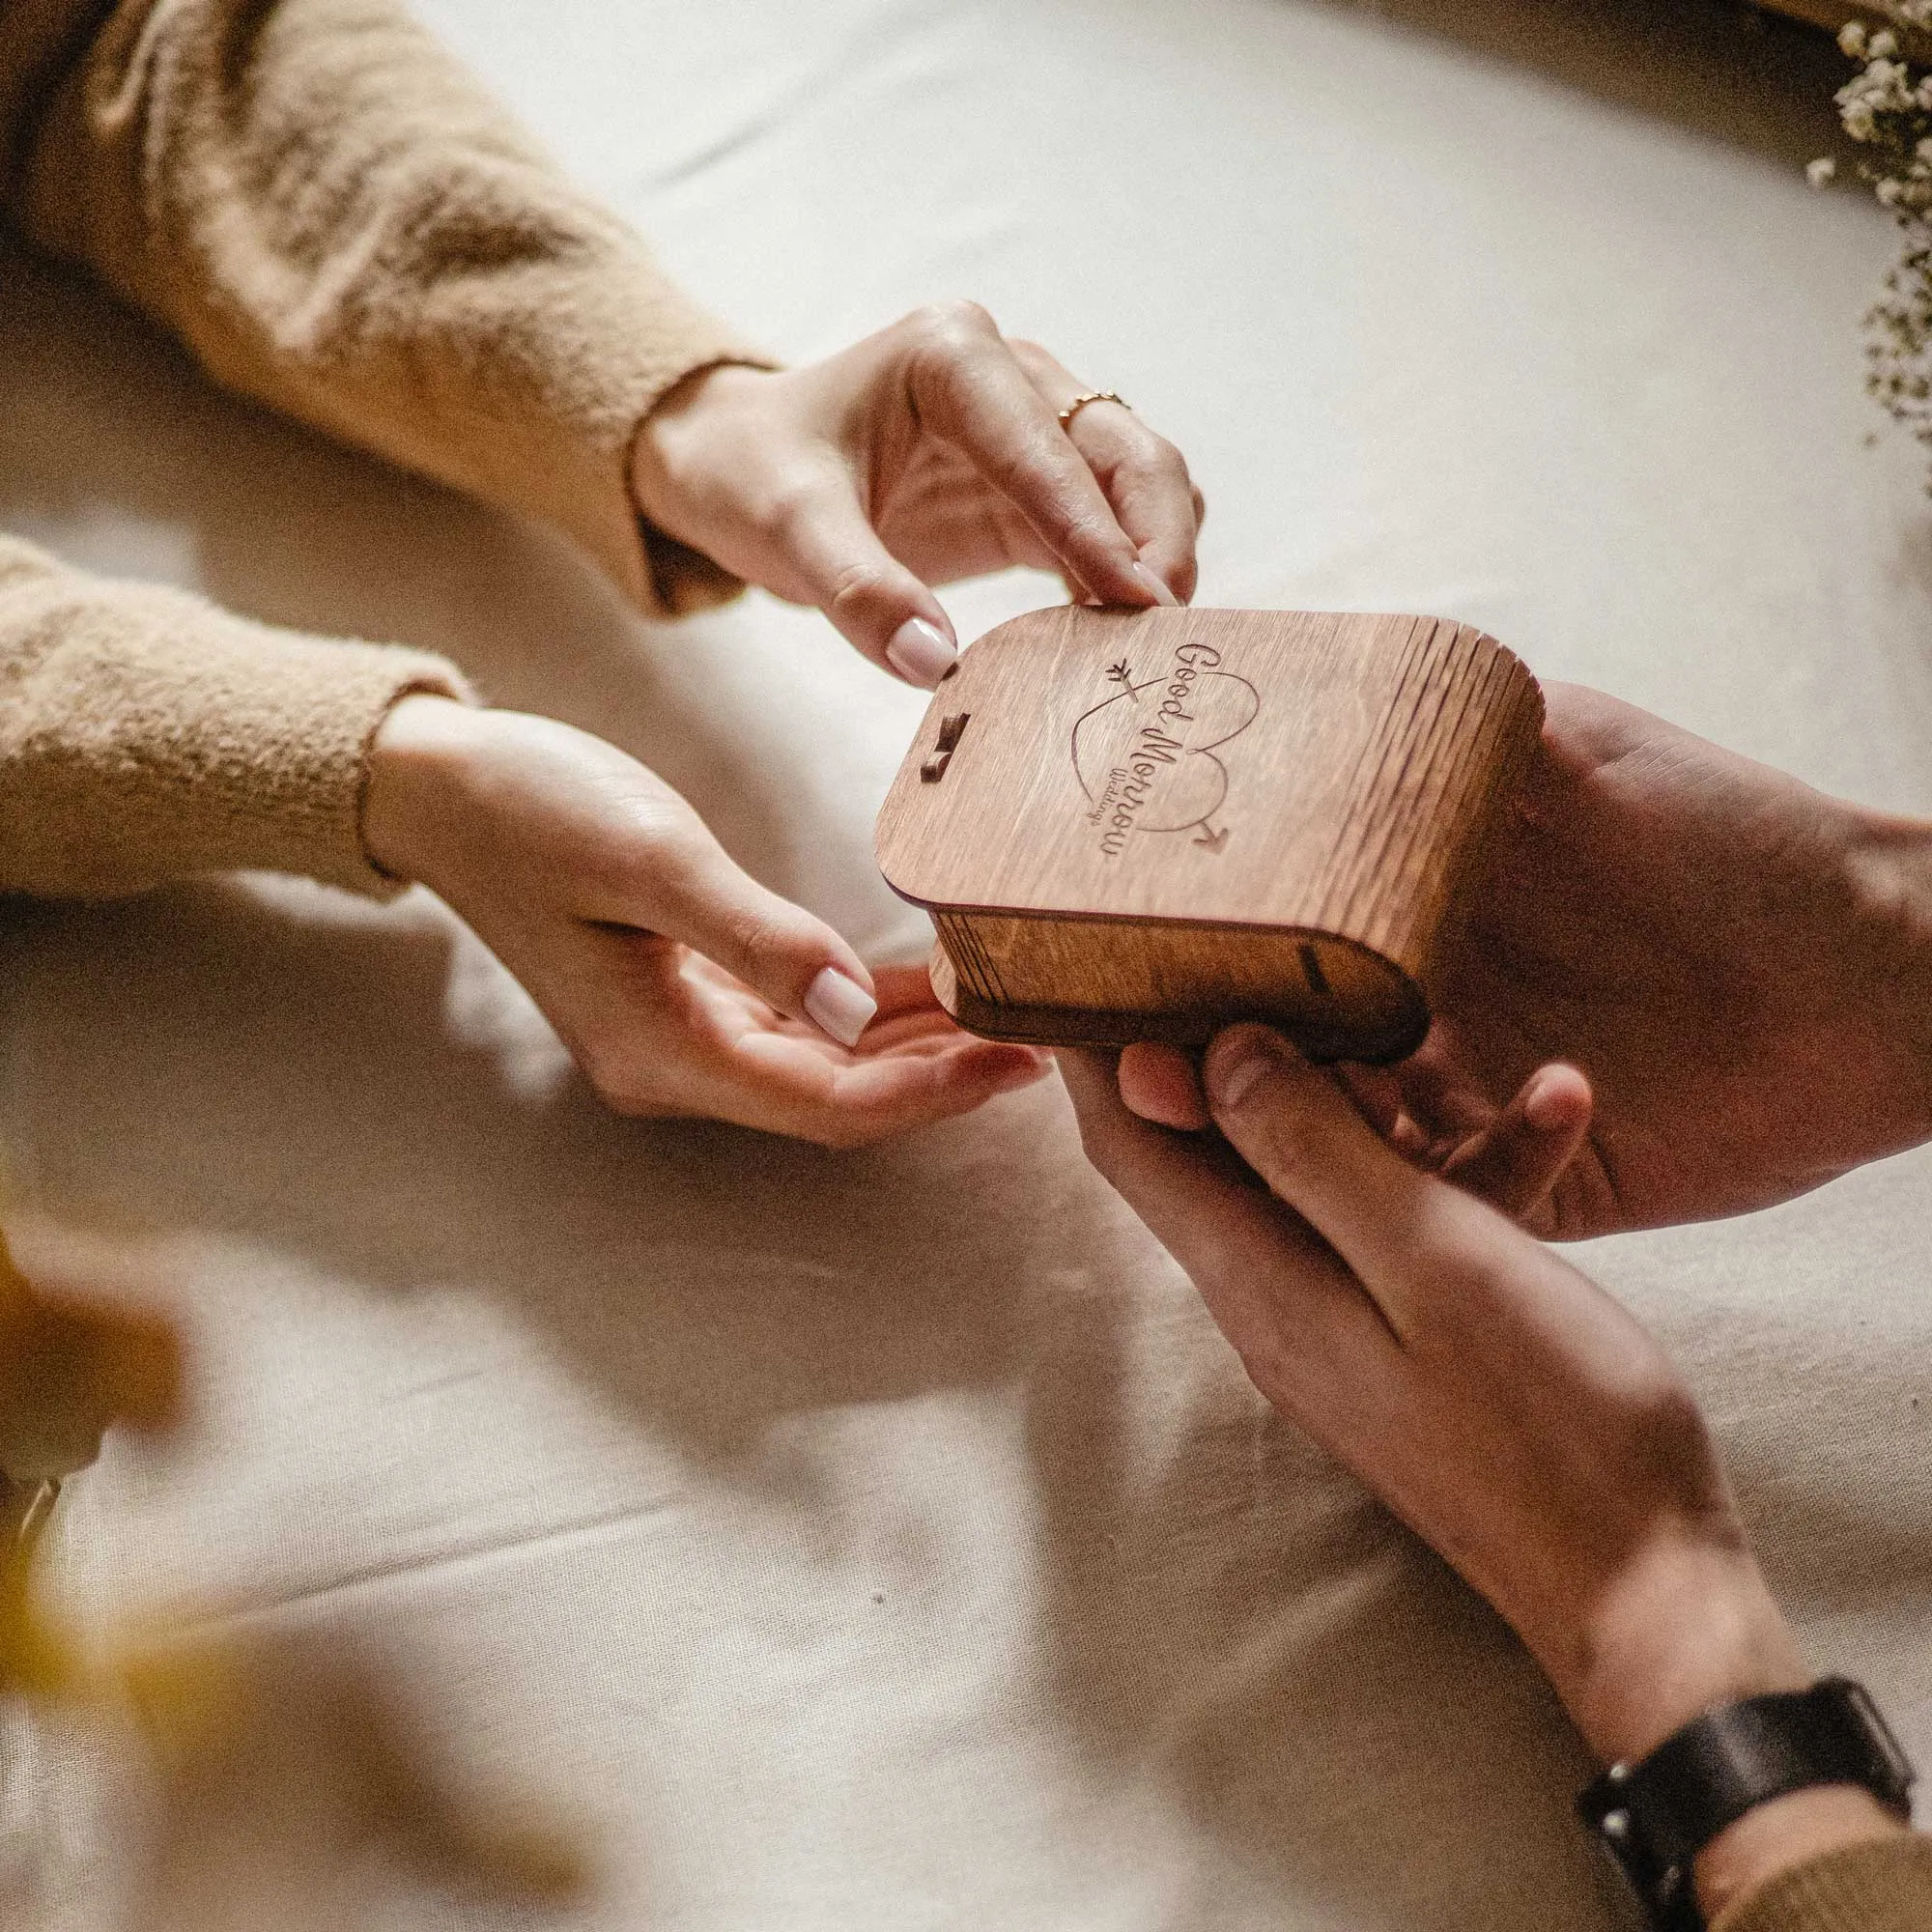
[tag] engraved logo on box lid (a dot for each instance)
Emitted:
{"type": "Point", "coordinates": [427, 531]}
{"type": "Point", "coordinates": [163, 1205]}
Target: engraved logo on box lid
{"type": "Point", "coordinates": [1147, 758]}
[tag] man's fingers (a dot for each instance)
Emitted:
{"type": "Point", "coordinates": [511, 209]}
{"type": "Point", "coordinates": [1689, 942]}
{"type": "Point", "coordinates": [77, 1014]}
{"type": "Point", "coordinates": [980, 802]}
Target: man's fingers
{"type": "Point", "coordinates": [796, 962]}
{"type": "Point", "coordinates": [1277, 1294]}
{"type": "Point", "coordinates": [1378, 1098]}
{"type": "Point", "coordinates": [1399, 1229]}
{"type": "Point", "coordinates": [1193, 1194]}
{"type": "Point", "coordinates": [1515, 1162]}
{"type": "Point", "coordinates": [968, 388]}
{"type": "Point", "coordinates": [1160, 1084]}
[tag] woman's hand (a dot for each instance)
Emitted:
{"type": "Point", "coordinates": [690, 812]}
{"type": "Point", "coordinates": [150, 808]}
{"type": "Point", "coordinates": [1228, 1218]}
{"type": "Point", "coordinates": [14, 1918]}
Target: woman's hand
{"type": "Point", "coordinates": [927, 452]}
{"type": "Point", "coordinates": [679, 984]}
{"type": "Point", "coordinates": [1505, 1408]}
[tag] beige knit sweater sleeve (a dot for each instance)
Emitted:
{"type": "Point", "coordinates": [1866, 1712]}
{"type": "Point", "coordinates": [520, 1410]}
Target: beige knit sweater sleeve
{"type": "Point", "coordinates": [145, 735]}
{"type": "Point", "coordinates": [337, 220]}
{"type": "Point", "coordinates": [1882, 1885]}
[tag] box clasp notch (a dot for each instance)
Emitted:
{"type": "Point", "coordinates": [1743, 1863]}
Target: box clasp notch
{"type": "Point", "coordinates": [952, 728]}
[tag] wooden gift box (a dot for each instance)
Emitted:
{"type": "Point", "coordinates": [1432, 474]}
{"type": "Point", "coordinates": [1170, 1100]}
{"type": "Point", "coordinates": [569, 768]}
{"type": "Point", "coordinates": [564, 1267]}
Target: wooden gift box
{"type": "Point", "coordinates": [1144, 825]}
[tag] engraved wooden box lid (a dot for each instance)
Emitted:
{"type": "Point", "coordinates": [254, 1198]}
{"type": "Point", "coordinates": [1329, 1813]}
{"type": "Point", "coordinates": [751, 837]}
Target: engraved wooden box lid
{"type": "Point", "coordinates": [1144, 825]}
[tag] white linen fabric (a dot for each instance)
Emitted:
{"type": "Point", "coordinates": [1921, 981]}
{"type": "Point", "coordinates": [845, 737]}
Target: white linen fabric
{"type": "Point", "coordinates": [888, 1540]}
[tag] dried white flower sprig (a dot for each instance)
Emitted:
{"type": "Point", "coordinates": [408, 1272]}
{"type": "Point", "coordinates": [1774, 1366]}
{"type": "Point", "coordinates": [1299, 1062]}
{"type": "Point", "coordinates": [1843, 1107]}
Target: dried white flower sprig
{"type": "Point", "coordinates": [1886, 108]}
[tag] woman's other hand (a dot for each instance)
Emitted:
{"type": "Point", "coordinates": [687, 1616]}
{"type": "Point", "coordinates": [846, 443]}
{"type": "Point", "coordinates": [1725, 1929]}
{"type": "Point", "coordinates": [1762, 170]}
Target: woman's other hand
{"type": "Point", "coordinates": [927, 452]}
{"type": "Point", "coordinates": [680, 985]}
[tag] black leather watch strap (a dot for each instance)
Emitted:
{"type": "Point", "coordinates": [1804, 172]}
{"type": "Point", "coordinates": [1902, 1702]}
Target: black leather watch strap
{"type": "Point", "coordinates": [1656, 1816]}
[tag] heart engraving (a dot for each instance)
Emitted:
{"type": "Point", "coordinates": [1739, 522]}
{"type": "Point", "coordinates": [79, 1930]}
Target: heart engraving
{"type": "Point", "coordinates": [1147, 758]}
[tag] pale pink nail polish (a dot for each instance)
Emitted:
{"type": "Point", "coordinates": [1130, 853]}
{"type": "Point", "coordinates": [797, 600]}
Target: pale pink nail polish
{"type": "Point", "coordinates": [1150, 583]}
{"type": "Point", "coordinates": [921, 653]}
{"type": "Point", "coordinates": [839, 1006]}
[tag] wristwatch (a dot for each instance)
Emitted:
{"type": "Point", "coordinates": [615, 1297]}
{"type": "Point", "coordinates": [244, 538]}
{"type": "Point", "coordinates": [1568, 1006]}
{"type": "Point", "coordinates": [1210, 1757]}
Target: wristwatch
{"type": "Point", "coordinates": [1656, 1815]}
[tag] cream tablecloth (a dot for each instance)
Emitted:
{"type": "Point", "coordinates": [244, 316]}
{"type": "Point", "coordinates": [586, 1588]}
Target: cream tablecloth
{"type": "Point", "coordinates": [886, 1540]}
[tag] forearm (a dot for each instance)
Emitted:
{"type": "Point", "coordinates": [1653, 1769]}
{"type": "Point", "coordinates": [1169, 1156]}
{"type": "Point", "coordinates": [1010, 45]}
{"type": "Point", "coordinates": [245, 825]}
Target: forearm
{"type": "Point", "coordinates": [339, 221]}
{"type": "Point", "coordinates": [1692, 1627]}
{"type": "Point", "coordinates": [146, 736]}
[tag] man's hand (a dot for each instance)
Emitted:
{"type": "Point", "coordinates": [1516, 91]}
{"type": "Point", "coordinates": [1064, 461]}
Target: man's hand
{"type": "Point", "coordinates": [679, 984]}
{"type": "Point", "coordinates": [927, 452]}
{"type": "Point", "coordinates": [1514, 1415]}
{"type": "Point", "coordinates": [1739, 967]}
{"type": "Point", "coordinates": [1506, 1408]}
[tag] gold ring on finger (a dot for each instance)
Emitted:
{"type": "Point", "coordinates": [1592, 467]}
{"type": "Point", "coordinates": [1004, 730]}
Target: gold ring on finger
{"type": "Point", "coordinates": [1079, 402]}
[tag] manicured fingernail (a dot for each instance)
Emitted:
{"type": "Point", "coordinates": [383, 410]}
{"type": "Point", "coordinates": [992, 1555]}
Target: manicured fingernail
{"type": "Point", "coordinates": [1232, 1072]}
{"type": "Point", "coordinates": [920, 653]}
{"type": "Point", "coordinates": [840, 1007]}
{"type": "Point", "coordinates": [1154, 586]}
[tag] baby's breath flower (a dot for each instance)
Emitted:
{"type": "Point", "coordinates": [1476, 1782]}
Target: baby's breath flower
{"type": "Point", "coordinates": [1820, 171]}
{"type": "Point", "coordinates": [1886, 107]}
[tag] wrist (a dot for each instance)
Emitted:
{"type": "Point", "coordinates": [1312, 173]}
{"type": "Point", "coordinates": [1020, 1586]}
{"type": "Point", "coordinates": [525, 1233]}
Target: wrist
{"type": "Point", "coordinates": [670, 436]}
{"type": "Point", "coordinates": [1683, 1633]}
{"type": "Point", "coordinates": [418, 759]}
{"type": "Point", "coordinates": [1687, 1630]}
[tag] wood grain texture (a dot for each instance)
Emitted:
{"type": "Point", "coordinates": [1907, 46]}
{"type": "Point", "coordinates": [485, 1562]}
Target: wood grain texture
{"type": "Point", "coordinates": [1831, 15]}
{"type": "Point", "coordinates": [1144, 824]}
{"type": "Point", "coordinates": [1826, 13]}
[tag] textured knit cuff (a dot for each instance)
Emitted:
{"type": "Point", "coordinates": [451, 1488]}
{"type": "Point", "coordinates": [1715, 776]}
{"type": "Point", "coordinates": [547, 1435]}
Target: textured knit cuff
{"type": "Point", "coordinates": [147, 736]}
{"type": "Point", "coordinates": [547, 374]}
{"type": "Point", "coordinates": [1883, 1885]}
